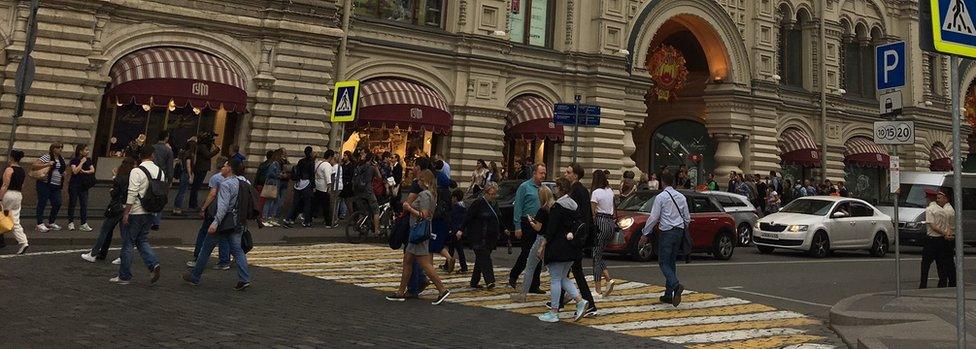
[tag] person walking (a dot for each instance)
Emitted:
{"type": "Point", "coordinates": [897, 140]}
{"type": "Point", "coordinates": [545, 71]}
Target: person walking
{"type": "Point", "coordinates": [601, 202]}
{"type": "Point", "coordinates": [560, 249]}
{"type": "Point", "coordinates": [205, 151]}
{"type": "Point", "coordinates": [455, 245]}
{"type": "Point", "coordinates": [227, 205]}
{"type": "Point", "coordinates": [480, 230]}
{"type": "Point", "coordinates": [418, 281]}
{"type": "Point", "coordinates": [574, 173]}
{"type": "Point", "coordinates": [526, 204]}
{"type": "Point", "coordinates": [420, 209]}
{"type": "Point", "coordinates": [163, 159]}
{"type": "Point", "coordinates": [12, 198]}
{"type": "Point", "coordinates": [136, 219]}
{"type": "Point", "coordinates": [50, 169]}
{"type": "Point", "coordinates": [939, 230]}
{"type": "Point", "coordinates": [184, 171]}
{"type": "Point", "coordinates": [303, 174]}
{"type": "Point", "coordinates": [440, 222]}
{"type": "Point", "coordinates": [538, 224]}
{"type": "Point", "coordinates": [82, 179]}
{"type": "Point", "coordinates": [670, 209]}
{"type": "Point", "coordinates": [362, 187]}
{"type": "Point", "coordinates": [323, 181]}
{"type": "Point", "coordinates": [113, 212]}
{"type": "Point", "coordinates": [208, 212]}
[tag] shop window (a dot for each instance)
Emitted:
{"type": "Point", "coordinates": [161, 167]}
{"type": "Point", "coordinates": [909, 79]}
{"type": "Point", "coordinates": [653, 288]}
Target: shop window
{"type": "Point", "coordinates": [674, 144]}
{"type": "Point", "coordinates": [527, 152]}
{"type": "Point", "coordinates": [406, 143]}
{"type": "Point", "coordinates": [416, 12]}
{"type": "Point", "coordinates": [531, 22]}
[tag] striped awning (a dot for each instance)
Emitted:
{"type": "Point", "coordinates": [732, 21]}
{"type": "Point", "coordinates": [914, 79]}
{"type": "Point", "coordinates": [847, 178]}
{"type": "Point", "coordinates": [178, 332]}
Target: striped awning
{"type": "Point", "coordinates": [798, 148]}
{"type": "Point", "coordinates": [530, 117]}
{"type": "Point", "coordinates": [404, 104]}
{"type": "Point", "coordinates": [940, 159]}
{"type": "Point", "coordinates": [862, 151]}
{"type": "Point", "coordinates": [187, 77]}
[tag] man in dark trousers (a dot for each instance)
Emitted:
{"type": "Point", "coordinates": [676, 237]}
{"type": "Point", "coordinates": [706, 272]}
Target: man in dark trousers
{"type": "Point", "coordinates": [670, 209]}
{"type": "Point", "coordinates": [574, 173]}
{"type": "Point", "coordinates": [527, 203]}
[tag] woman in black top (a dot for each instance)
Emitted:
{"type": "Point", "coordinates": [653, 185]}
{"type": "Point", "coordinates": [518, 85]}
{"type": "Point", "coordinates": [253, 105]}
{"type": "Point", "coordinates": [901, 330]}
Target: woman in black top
{"type": "Point", "coordinates": [113, 213]}
{"type": "Point", "coordinates": [480, 229]}
{"type": "Point", "coordinates": [82, 179]}
{"type": "Point", "coordinates": [13, 183]}
{"type": "Point", "coordinates": [559, 250]}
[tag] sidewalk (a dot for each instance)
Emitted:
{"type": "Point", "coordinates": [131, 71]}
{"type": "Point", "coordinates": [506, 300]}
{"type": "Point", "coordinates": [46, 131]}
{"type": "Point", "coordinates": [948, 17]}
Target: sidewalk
{"type": "Point", "coordinates": [919, 319]}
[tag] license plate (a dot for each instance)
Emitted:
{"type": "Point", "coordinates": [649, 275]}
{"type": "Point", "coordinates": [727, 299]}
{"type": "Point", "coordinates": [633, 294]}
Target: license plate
{"type": "Point", "coordinates": [770, 236]}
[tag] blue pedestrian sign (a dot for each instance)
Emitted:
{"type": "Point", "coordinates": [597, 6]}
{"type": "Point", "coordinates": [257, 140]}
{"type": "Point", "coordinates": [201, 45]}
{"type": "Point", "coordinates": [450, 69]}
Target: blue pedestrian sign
{"type": "Point", "coordinates": [953, 31]}
{"type": "Point", "coordinates": [565, 114]}
{"type": "Point", "coordinates": [890, 65]}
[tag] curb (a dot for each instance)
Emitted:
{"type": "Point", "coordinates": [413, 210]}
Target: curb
{"type": "Point", "coordinates": [865, 329]}
{"type": "Point", "coordinates": [841, 316]}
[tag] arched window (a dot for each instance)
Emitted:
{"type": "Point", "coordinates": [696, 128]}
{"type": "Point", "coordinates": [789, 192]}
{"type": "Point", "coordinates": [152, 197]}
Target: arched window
{"type": "Point", "coordinates": [792, 46]}
{"type": "Point", "coordinates": [858, 60]}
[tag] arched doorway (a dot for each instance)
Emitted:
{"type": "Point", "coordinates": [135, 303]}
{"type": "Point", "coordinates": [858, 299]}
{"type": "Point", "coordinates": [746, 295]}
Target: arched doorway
{"type": "Point", "coordinates": [683, 143]}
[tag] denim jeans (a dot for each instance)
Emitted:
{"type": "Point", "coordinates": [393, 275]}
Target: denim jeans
{"type": "Point", "coordinates": [417, 278]}
{"type": "Point", "coordinates": [559, 282]}
{"type": "Point", "coordinates": [532, 268]}
{"type": "Point", "coordinates": [100, 249]}
{"type": "Point", "coordinates": [223, 246]}
{"type": "Point", "coordinates": [136, 233]}
{"type": "Point", "coordinates": [528, 251]}
{"type": "Point", "coordinates": [77, 196]}
{"type": "Point", "coordinates": [47, 192]}
{"type": "Point", "coordinates": [668, 245]}
{"type": "Point", "coordinates": [232, 239]}
{"type": "Point", "coordinates": [181, 192]}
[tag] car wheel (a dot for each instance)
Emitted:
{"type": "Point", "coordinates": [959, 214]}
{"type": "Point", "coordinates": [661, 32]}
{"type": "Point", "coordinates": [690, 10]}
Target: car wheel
{"type": "Point", "coordinates": [745, 234]}
{"type": "Point", "coordinates": [765, 249]}
{"type": "Point", "coordinates": [642, 253]}
{"type": "Point", "coordinates": [724, 246]}
{"type": "Point", "coordinates": [879, 248]}
{"type": "Point", "coordinates": [820, 246]}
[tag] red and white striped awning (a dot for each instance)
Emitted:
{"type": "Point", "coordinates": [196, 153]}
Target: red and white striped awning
{"type": "Point", "coordinates": [940, 159]}
{"type": "Point", "coordinates": [400, 103]}
{"type": "Point", "coordinates": [159, 75]}
{"type": "Point", "coordinates": [530, 117]}
{"type": "Point", "coordinates": [862, 151]}
{"type": "Point", "coordinates": [798, 148]}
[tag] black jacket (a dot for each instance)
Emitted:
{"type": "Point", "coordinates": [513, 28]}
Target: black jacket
{"type": "Point", "coordinates": [481, 225]}
{"type": "Point", "coordinates": [582, 198]}
{"type": "Point", "coordinates": [120, 189]}
{"type": "Point", "coordinates": [562, 219]}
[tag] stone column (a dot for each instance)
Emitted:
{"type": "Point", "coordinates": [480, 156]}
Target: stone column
{"type": "Point", "coordinates": [627, 163]}
{"type": "Point", "coordinates": [728, 157]}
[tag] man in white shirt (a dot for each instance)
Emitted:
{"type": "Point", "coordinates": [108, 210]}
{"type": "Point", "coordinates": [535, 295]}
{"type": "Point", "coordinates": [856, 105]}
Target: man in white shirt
{"type": "Point", "coordinates": [323, 185]}
{"type": "Point", "coordinates": [136, 220]}
{"type": "Point", "coordinates": [671, 210]}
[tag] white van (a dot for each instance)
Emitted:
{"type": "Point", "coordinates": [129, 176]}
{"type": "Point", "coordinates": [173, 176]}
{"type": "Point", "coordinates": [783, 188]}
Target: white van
{"type": "Point", "coordinates": [912, 202]}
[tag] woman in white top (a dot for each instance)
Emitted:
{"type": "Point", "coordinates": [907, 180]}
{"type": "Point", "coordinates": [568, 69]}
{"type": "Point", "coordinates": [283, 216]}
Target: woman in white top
{"type": "Point", "coordinates": [653, 183]}
{"type": "Point", "coordinates": [478, 178]}
{"type": "Point", "coordinates": [601, 202]}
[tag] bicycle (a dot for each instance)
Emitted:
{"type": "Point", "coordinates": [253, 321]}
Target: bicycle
{"type": "Point", "coordinates": [359, 226]}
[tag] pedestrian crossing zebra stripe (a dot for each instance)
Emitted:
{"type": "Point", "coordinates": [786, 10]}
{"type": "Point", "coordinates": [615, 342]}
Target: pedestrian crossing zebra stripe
{"type": "Point", "coordinates": [633, 309]}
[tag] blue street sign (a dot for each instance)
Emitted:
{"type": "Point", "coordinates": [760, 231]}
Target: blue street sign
{"type": "Point", "coordinates": [890, 65]}
{"type": "Point", "coordinates": [952, 26]}
{"type": "Point", "coordinates": [565, 114]}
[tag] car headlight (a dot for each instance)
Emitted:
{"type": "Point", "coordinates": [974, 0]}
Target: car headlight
{"type": "Point", "coordinates": [625, 223]}
{"type": "Point", "coordinates": [796, 228]}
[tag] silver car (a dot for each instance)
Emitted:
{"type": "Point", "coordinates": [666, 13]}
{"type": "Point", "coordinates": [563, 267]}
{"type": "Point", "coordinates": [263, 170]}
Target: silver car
{"type": "Point", "coordinates": [742, 211]}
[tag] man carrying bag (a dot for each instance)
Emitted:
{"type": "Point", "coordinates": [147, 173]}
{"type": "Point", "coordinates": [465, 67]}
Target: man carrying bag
{"type": "Point", "coordinates": [671, 209]}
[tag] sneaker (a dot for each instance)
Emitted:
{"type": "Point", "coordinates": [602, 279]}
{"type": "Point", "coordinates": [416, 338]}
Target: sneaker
{"type": "Point", "coordinates": [191, 264]}
{"type": "Point", "coordinates": [22, 249]}
{"type": "Point", "coordinates": [396, 298]}
{"type": "Point", "coordinates": [116, 280]}
{"type": "Point", "coordinates": [271, 223]}
{"type": "Point", "coordinates": [186, 277]}
{"type": "Point", "coordinates": [581, 309]}
{"type": "Point", "coordinates": [490, 286]}
{"type": "Point", "coordinates": [590, 312]}
{"type": "Point", "coordinates": [665, 300]}
{"type": "Point", "coordinates": [117, 261]}
{"type": "Point", "coordinates": [54, 227]}
{"type": "Point", "coordinates": [85, 227]}
{"type": "Point", "coordinates": [155, 275]}
{"type": "Point", "coordinates": [609, 288]}
{"type": "Point", "coordinates": [221, 267]}
{"type": "Point", "coordinates": [441, 297]}
{"type": "Point", "coordinates": [88, 257]}
{"type": "Point", "coordinates": [549, 316]}
{"type": "Point", "coordinates": [241, 285]}
{"type": "Point", "coordinates": [71, 226]}
{"type": "Point", "coordinates": [41, 228]}
{"type": "Point", "coordinates": [676, 298]}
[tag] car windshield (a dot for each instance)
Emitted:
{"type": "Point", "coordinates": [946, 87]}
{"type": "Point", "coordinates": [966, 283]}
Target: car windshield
{"type": "Point", "coordinates": [809, 206]}
{"type": "Point", "coordinates": [912, 195]}
{"type": "Point", "coordinates": [640, 201]}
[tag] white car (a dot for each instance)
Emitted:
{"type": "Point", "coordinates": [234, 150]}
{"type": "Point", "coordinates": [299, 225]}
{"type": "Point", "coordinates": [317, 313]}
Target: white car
{"type": "Point", "coordinates": [821, 224]}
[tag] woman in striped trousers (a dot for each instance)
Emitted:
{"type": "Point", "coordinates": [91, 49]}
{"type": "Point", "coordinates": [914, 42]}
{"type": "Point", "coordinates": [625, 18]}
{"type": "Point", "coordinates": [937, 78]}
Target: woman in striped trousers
{"type": "Point", "coordinates": [601, 201]}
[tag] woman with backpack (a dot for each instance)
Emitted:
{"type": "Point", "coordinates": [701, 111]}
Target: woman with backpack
{"type": "Point", "coordinates": [422, 208]}
{"type": "Point", "coordinates": [10, 193]}
{"type": "Point", "coordinates": [559, 249]}
{"type": "Point", "coordinates": [48, 170]}
{"type": "Point", "coordinates": [480, 229]}
{"type": "Point", "coordinates": [601, 202]}
{"type": "Point", "coordinates": [82, 179]}
{"type": "Point", "coordinates": [113, 213]}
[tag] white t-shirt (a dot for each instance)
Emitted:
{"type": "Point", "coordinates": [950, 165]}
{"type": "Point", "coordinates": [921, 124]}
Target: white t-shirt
{"type": "Point", "coordinates": [323, 176]}
{"type": "Point", "coordinates": [603, 197]}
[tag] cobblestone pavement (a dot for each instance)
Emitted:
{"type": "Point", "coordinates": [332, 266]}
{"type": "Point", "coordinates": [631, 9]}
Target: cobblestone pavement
{"type": "Point", "coordinates": [54, 299]}
{"type": "Point", "coordinates": [703, 320]}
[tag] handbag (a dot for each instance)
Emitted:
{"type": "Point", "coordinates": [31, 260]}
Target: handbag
{"type": "Point", "coordinates": [247, 242]}
{"type": "Point", "coordinates": [420, 232]}
{"type": "Point", "coordinates": [6, 221]}
{"type": "Point", "coordinates": [269, 192]}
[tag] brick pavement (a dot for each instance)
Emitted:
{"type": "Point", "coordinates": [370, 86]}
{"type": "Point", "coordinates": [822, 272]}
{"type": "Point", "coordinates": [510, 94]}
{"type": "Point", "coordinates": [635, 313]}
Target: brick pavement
{"type": "Point", "coordinates": [58, 300]}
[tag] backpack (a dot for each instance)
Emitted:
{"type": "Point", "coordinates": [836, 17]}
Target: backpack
{"type": "Point", "coordinates": [262, 175]}
{"type": "Point", "coordinates": [247, 203]}
{"type": "Point", "coordinates": [361, 178]}
{"type": "Point", "coordinates": [581, 232]}
{"type": "Point", "coordinates": [156, 194]}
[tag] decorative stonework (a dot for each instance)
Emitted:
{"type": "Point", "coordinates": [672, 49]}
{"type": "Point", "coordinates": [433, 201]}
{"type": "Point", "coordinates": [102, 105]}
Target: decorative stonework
{"type": "Point", "coordinates": [570, 17]}
{"type": "Point", "coordinates": [462, 12]}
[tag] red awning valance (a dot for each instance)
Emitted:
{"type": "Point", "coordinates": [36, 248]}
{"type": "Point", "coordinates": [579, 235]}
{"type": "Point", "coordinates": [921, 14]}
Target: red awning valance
{"type": "Point", "coordinates": [530, 117]}
{"type": "Point", "coordinates": [798, 148]}
{"type": "Point", "coordinates": [156, 76]}
{"type": "Point", "coordinates": [862, 151]}
{"type": "Point", "coordinates": [940, 159]}
{"type": "Point", "coordinates": [398, 103]}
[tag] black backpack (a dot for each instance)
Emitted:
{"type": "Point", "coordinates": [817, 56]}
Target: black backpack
{"type": "Point", "coordinates": [262, 176]}
{"type": "Point", "coordinates": [361, 179]}
{"type": "Point", "coordinates": [156, 194]}
{"type": "Point", "coordinates": [247, 203]}
{"type": "Point", "coordinates": [443, 206]}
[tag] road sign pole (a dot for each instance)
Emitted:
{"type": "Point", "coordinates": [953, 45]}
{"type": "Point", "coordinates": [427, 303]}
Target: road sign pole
{"type": "Point", "coordinates": [576, 128]}
{"type": "Point", "coordinates": [897, 242]}
{"type": "Point", "coordinates": [957, 203]}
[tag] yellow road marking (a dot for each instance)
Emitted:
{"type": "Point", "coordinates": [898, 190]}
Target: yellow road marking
{"type": "Point", "coordinates": [705, 328]}
{"type": "Point", "coordinates": [669, 314]}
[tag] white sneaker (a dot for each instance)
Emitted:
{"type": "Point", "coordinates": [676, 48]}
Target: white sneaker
{"type": "Point", "coordinates": [117, 261]}
{"type": "Point", "coordinates": [118, 281]}
{"type": "Point", "coordinates": [85, 227]}
{"type": "Point", "coordinates": [22, 249]}
{"type": "Point", "coordinates": [41, 228]}
{"type": "Point", "coordinates": [88, 257]}
{"type": "Point", "coordinates": [191, 264]}
{"type": "Point", "coordinates": [54, 227]}
{"type": "Point", "coordinates": [71, 226]}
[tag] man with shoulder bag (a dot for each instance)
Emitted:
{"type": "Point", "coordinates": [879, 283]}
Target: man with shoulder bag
{"type": "Point", "coordinates": [671, 210]}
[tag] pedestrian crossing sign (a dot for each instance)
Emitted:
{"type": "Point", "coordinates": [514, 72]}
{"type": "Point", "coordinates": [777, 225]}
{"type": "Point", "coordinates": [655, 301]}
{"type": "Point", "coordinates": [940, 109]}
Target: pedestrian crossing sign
{"type": "Point", "coordinates": [345, 100]}
{"type": "Point", "coordinates": [953, 28]}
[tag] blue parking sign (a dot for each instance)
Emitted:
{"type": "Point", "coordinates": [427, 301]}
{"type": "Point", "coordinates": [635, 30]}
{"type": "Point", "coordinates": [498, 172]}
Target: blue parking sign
{"type": "Point", "coordinates": [953, 31]}
{"type": "Point", "coordinates": [890, 65]}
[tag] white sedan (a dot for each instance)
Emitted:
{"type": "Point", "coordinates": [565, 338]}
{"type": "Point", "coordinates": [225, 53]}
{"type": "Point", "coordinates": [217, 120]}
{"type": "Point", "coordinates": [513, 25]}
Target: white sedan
{"type": "Point", "coordinates": [821, 224]}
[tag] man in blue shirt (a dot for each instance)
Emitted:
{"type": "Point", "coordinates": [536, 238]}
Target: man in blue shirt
{"type": "Point", "coordinates": [527, 203]}
{"type": "Point", "coordinates": [671, 209]}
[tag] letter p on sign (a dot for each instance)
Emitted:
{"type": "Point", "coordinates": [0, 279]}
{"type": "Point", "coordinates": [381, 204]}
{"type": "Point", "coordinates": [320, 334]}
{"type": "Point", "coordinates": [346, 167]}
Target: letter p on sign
{"type": "Point", "coordinates": [890, 65]}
